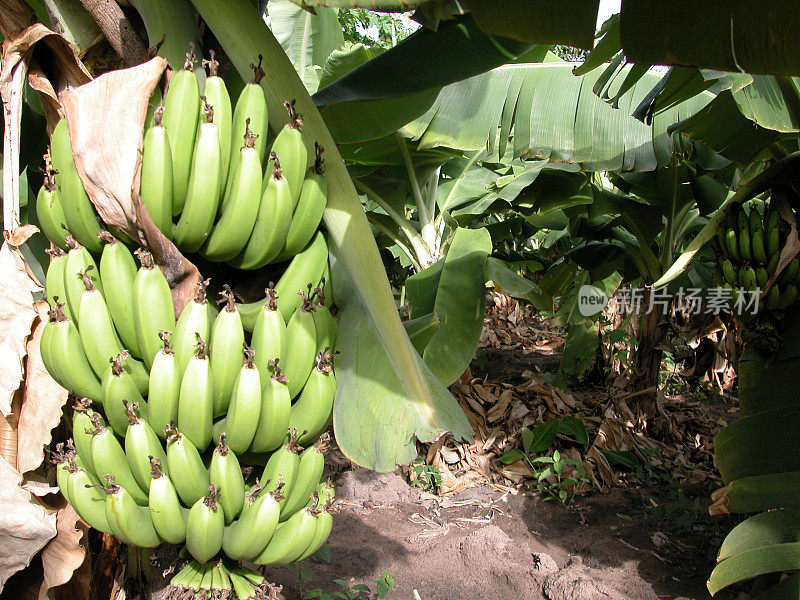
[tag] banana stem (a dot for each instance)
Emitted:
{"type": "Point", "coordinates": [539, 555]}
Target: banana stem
{"type": "Point", "coordinates": [397, 240]}
{"type": "Point", "coordinates": [666, 246]}
{"type": "Point", "coordinates": [421, 249]}
{"type": "Point", "coordinates": [424, 216]}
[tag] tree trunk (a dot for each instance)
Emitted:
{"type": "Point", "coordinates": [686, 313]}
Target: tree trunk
{"type": "Point", "coordinates": [645, 366]}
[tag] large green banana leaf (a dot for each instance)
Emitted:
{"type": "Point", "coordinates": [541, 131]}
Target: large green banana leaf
{"type": "Point", "coordinates": [308, 39]}
{"type": "Point", "coordinates": [551, 114]}
{"type": "Point", "coordinates": [393, 364]}
{"type": "Point", "coordinates": [743, 35]}
{"type": "Point", "coordinates": [455, 289]}
{"type": "Point", "coordinates": [380, 96]}
{"type": "Point", "coordinates": [759, 463]}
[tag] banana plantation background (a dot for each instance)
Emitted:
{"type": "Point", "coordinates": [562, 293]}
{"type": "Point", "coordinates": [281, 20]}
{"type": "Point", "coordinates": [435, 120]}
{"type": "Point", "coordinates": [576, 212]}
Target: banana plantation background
{"type": "Point", "coordinates": [485, 162]}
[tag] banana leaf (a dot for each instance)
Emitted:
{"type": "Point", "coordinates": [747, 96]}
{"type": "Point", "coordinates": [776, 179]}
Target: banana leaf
{"type": "Point", "coordinates": [454, 288]}
{"type": "Point", "coordinates": [755, 37]}
{"type": "Point", "coordinates": [760, 465]}
{"type": "Point", "coordinates": [382, 379]}
{"type": "Point", "coordinates": [308, 39]}
{"type": "Point", "coordinates": [552, 115]}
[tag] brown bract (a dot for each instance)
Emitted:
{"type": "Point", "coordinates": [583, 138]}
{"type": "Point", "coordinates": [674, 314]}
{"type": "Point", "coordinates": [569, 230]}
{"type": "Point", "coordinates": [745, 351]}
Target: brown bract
{"type": "Point", "coordinates": [106, 119]}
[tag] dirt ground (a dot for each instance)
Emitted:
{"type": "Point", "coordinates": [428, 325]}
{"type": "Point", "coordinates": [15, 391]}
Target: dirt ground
{"type": "Point", "coordinates": [482, 544]}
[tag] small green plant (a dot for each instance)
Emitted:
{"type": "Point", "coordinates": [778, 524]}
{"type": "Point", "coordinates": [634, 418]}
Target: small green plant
{"type": "Point", "coordinates": [429, 478]}
{"type": "Point", "coordinates": [549, 469]}
{"type": "Point", "coordinates": [383, 585]}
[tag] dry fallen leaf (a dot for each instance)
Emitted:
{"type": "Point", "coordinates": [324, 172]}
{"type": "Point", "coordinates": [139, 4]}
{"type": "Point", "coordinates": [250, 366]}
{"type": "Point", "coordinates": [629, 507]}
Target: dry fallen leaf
{"type": "Point", "coordinates": [65, 552]}
{"type": "Point", "coordinates": [25, 527]}
{"type": "Point", "coordinates": [16, 317]}
{"type": "Point", "coordinates": [43, 400]}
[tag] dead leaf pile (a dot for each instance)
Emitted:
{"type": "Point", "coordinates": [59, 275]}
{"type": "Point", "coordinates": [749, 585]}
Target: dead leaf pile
{"type": "Point", "coordinates": [678, 441]}
{"type": "Point", "coordinates": [511, 325]}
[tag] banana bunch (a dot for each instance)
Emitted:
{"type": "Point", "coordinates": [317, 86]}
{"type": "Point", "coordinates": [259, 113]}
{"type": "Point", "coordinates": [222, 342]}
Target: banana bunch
{"type": "Point", "coordinates": [206, 171]}
{"type": "Point", "coordinates": [749, 248]}
{"type": "Point", "coordinates": [170, 405]}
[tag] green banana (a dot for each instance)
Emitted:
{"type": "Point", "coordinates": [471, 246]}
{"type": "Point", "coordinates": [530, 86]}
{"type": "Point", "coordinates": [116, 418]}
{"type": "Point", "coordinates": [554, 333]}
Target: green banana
{"type": "Point", "coordinates": [773, 263]}
{"type": "Point", "coordinates": [773, 298]}
{"type": "Point", "coordinates": [276, 405]}
{"type": "Point", "coordinates": [196, 317]}
{"type": "Point", "coordinates": [762, 277]}
{"type": "Point", "coordinates": [217, 97]}
{"type": "Point", "coordinates": [49, 210]}
{"type": "Point", "coordinates": [291, 539]}
{"type": "Point", "coordinates": [119, 389]}
{"type": "Point", "coordinates": [269, 335]}
{"type": "Point", "coordinates": [773, 241]}
{"type": "Point", "coordinates": [271, 225]}
{"type": "Point", "coordinates": [308, 266]}
{"type": "Point", "coordinates": [156, 99]}
{"type": "Point", "coordinates": [226, 474]}
{"type": "Point", "coordinates": [61, 149]}
{"type": "Point", "coordinates": [289, 145]}
{"type": "Point", "coordinates": [747, 278]}
{"type": "Point", "coordinates": [169, 517]}
{"type": "Point", "coordinates": [81, 421]}
{"type": "Point", "coordinates": [156, 187]}
{"type": "Point", "coordinates": [54, 280]}
{"type": "Point", "coordinates": [225, 351]}
{"type": "Point", "coordinates": [282, 467]}
{"type": "Point", "coordinates": [247, 536]}
{"type": "Point", "coordinates": [309, 472]}
{"type": "Point", "coordinates": [87, 500]}
{"type": "Point", "coordinates": [117, 272]}
{"type": "Point", "coordinates": [64, 461]}
{"type": "Point", "coordinates": [230, 234]}
{"type": "Point", "coordinates": [322, 530]}
{"type": "Point", "coordinates": [109, 458]}
{"type": "Point", "coordinates": [311, 414]}
{"type": "Point", "coordinates": [732, 245]}
{"type": "Point", "coordinates": [78, 260]}
{"type": "Point", "coordinates": [788, 296]}
{"type": "Point", "coordinates": [310, 206]}
{"type": "Point", "coordinates": [188, 473]}
{"type": "Point", "coordinates": [745, 248]}
{"type": "Point", "coordinates": [79, 215]}
{"type": "Point", "coordinates": [243, 589]}
{"type": "Point", "coordinates": [758, 248]}
{"type": "Point", "coordinates": [250, 112]}
{"type": "Point", "coordinates": [65, 358]}
{"type": "Point", "coordinates": [181, 113]}
{"type": "Point", "coordinates": [127, 518]}
{"type": "Point", "coordinates": [205, 526]}
{"type": "Point", "coordinates": [302, 332]}
{"type": "Point", "coordinates": [99, 337]}
{"type": "Point", "coordinates": [789, 271]}
{"type": "Point", "coordinates": [244, 411]}
{"type": "Point", "coordinates": [324, 323]}
{"type": "Point", "coordinates": [164, 391]}
{"type": "Point", "coordinates": [196, 400]}
{"type": "Point", "coordinates": [142, 445]}
{"type": "Point", "coordinates": [153, 310]}
{"type": "Point", "coordinates": [203, 193]}
{"type": "Point", "coordinates": [220, 581]}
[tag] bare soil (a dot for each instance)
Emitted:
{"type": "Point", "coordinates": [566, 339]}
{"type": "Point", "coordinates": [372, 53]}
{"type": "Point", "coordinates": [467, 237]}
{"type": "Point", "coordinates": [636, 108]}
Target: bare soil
{"type": "Point", "coordinates": [483, 544]}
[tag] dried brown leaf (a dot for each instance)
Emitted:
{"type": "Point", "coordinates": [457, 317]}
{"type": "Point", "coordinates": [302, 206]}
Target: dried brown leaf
{"type": "Point", "coordinates": [42, 402]}
{"type": "Point", "coordinates": [106, 118]}
{"type": "Point", "coordinates": [16, 317]}
{"type": "Point", "coordinates": [65, 552]}
{"type": "Point", "coordinates": [25, 527]}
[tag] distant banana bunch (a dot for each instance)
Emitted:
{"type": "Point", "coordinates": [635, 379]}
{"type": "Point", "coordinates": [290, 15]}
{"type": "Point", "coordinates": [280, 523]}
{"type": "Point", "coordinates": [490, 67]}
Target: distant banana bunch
{"type": "Point", "coordinates": [749, 250]}
{"type": "Point", "coordinates": [169, 408]}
